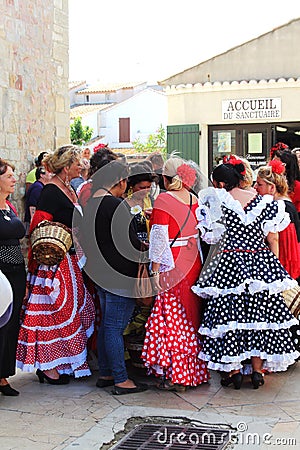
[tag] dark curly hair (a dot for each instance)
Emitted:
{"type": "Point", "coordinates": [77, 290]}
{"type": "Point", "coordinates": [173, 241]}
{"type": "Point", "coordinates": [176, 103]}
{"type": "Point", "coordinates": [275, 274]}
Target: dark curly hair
{"type": "Point", "coordinates": [104, 153]}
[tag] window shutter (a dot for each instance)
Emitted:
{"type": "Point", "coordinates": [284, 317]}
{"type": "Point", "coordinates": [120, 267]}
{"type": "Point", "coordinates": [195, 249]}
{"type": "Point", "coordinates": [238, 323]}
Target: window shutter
{"type": "Point", "coordinates": [124, 129]}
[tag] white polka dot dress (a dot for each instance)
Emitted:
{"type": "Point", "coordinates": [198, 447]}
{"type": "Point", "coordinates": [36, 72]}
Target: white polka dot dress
{"type": "Point", "coordinates": [245, 315]}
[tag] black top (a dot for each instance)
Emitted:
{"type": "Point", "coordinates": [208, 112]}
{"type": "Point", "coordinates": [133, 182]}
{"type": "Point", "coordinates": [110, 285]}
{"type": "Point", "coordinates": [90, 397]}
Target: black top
{"type": "Point", "coordinates": [55, 202]}
{"type": "Point", "coordinates": [10, 232]}
{"type": "Point", "coordinates": [110, 243]}
{"type": "Point", "coordinates": [32, 197]}
{"type": "Point", "coordinates": [292, 211]}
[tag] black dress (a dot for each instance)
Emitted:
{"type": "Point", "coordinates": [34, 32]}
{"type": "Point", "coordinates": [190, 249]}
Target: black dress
{"type": "Point", "coordinates": [13, 267]}
{"type": "Point", "coordinates": [246, 315]}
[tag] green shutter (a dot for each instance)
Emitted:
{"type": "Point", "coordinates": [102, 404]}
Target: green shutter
{"type": "Point", "coordinates": [184, 139]}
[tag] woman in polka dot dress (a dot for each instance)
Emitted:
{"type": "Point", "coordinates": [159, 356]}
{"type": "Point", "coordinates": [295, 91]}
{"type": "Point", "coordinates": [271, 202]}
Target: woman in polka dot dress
{"type": "Point", "coordinates": [246, 317]}
{"type": "Point", "coordinates": [59, 314]}
{"type": "Point", "coordinates": [172, 344]}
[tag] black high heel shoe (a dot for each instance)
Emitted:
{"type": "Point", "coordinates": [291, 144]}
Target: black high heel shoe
{"type": "Point", "coordinates": [63, 379]}
{"type": "Point", "coordinates": [257, 380]}
{"type": "Point", "coordinates": [6, 389]}
{"type": "Point", "coordinates": [236, 379]}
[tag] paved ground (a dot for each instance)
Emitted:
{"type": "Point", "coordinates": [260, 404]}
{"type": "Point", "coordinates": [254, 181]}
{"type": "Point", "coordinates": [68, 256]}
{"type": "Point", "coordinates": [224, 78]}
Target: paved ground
{"type": "Point", "coordinates": [82, 416]}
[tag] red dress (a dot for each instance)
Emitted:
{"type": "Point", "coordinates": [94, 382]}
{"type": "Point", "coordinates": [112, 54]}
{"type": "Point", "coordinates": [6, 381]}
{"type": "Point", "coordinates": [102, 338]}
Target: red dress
{"type": "Point", "coordinates": [295, 196]}
{"type": "Point", "coordinates": [289, 243]}
{"type": "Point", "coordinates": [172, 344]}
{"type": "Point", "coordinates": [58, 317]}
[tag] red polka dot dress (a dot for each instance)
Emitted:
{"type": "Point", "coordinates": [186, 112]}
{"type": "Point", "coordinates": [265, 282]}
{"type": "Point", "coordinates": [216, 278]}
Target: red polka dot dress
{"type": "Point", "coordinates": [172, 344]}
{"type": "Point", "coordinates": [58, 317]}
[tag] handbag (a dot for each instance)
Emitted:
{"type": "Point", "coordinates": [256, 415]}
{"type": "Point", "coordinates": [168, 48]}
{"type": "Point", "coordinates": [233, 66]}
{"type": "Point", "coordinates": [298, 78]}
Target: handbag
{"type": "Point", "coordinates": [50, 241]}
{"type": "Point", "coordinates": [292, 300]}
{"type": "Point", "coordinates": [143, 289]}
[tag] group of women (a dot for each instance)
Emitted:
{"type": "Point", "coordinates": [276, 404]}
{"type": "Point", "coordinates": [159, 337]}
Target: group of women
{"type": "Point", "coordinates": [219, 312]}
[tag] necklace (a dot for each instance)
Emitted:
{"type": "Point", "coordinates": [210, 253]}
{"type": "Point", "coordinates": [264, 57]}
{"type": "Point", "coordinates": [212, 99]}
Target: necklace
{"type": "Point", "coordinates": [5, 213]}
{"type": "Point", "coordinates": [70, 189]}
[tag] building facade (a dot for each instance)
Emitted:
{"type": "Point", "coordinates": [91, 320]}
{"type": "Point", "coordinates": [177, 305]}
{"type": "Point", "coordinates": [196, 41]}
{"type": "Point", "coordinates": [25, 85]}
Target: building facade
{"type": "Point", "coordinates": [240, 102]}
{"type": "Point", "coordinates": [33, 82]}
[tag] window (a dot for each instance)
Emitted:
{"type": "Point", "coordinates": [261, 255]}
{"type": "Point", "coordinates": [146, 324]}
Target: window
{"type": "Point", "coordinates": [124, 129]}
{"type": "Point", "coordinates": [87, 98]}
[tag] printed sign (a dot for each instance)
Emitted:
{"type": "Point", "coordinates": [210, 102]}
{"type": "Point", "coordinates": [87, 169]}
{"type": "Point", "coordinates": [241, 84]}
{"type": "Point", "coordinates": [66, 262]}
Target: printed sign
{"type": "Point", "coordinates": [251, 109]}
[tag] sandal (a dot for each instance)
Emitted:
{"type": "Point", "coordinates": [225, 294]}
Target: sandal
{"type": "Point", "coordinates": [167, 385]}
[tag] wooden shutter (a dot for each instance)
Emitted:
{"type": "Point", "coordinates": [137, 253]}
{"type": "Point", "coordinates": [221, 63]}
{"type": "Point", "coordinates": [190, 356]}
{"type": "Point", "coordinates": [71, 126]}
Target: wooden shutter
{"type": "Point", "coordinates": [124, 129]}
{"type": "Point", "coordinates": [184, 139]}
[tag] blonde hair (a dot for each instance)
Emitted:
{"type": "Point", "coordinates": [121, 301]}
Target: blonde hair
{"type": "Point", "coordinates": [62, 157]}
{"type": "Point", "coordinates": [278, 180]}
{"type": "Point", "coordinates": [170, 171]}
{"type": "Point", "coordinates": [248, 177]}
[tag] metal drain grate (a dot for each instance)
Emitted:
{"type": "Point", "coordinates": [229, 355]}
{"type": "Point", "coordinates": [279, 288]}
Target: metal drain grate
{"type": "Point", "coordinates": [173, 437]}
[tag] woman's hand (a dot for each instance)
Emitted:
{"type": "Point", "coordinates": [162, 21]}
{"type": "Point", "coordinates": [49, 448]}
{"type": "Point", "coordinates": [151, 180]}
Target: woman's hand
{"type": "Point", "coordinates": [156, 284]}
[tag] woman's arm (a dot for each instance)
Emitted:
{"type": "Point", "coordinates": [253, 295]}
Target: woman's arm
{"type": "Point", "coordinates": [273, 242]}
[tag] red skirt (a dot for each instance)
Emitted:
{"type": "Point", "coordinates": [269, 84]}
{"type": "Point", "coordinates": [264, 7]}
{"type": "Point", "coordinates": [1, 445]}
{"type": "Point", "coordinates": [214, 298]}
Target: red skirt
{"type": "Point", "coordinates": [289, 251]}
{"type": "Point", "coordinates": [172, 344]}
{"type": "Point", "coordinates": [58, 319]}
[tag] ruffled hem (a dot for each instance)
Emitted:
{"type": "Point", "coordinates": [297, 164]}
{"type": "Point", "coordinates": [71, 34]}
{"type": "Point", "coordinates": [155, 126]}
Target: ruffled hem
{"type": "Point", "coordinates": [187, 370]}
{"type": "Point", "coordinates": [76, 365]}
{"type": "Point", "coordinates": [221, 330]}
{"type": "Point", "coordinates": [254, 286]}
{"type": "Point", "coordinates": [272, 363]}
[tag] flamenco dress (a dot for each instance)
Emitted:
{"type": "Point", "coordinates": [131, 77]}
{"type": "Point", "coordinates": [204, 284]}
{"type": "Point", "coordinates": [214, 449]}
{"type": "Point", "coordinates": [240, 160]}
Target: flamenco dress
{"type": "Point", "coordinates": [246, 315]}
{"type": "Point", "coordinates": [172, 344]}
{"type": "Point", "coordinates": [58, 317]}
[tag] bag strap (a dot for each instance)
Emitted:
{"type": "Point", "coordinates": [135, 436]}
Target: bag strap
{"type": "Point", "coordinates": [184, 223]}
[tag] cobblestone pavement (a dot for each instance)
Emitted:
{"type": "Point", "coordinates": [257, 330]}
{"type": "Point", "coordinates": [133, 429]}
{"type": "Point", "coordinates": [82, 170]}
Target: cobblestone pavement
{"type": "Point", "coordinates": [82, 416]}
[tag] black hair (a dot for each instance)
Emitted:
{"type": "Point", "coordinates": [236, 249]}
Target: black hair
{"type": "Point", "coordinates": [97, 158]}
{"type": "Point", "coordinates": [39, 159]}
{"type": "Point", "coordinates": [292, 170]}
{"type": "Point", "coordinates": [228, 174]}
{"type": "Point", "coordinates": [140, 172]}
{"type": "Point", "coordinates": [109, 173]}
{"type": "Point", "coordinates": [39, 171]}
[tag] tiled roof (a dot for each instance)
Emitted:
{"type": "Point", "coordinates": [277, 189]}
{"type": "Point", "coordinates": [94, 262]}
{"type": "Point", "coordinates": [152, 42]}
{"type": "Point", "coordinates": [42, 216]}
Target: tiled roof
{"type": "Point", "coordinates": [74, 84]}
{"type": "Point", "coordinates": [109, 87]}
{"type": "Point", "coordinates": [81, 110]}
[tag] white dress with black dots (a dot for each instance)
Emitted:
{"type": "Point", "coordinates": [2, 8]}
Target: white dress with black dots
{"type": "Point", "coordinates": [243, 280]}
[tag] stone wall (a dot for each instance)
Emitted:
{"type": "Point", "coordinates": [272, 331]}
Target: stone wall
{"type": "Point", "coordinates": [34, 98]}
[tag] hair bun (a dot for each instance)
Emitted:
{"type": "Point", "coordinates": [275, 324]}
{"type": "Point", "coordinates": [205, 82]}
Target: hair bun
{"type": "Point", "coordinates": [237, 164]}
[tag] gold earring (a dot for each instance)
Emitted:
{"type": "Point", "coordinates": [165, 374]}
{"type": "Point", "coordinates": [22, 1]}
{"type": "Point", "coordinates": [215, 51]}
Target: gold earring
{"type": "Point", "coordinates": [130, 192]}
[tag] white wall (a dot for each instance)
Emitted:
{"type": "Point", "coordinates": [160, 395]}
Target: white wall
{"type": "Point", "coordinates": [146, 110]}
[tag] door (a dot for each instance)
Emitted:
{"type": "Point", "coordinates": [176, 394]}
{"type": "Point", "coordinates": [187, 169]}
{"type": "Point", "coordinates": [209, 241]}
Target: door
{"type": "Point", "coordinates": [251, 141]}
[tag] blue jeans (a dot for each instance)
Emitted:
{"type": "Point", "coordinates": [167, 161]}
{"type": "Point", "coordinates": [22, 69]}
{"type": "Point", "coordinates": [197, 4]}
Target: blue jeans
{"type": "Point", "coordinates": [116, 310]}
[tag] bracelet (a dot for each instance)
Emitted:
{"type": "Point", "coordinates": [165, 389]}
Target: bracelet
{"type": "Point", "coordinates": [153, 273]}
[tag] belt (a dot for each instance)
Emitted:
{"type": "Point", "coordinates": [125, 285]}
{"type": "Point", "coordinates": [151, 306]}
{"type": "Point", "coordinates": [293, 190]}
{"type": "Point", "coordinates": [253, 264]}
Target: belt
{"type": "Point", "coordinates": [183, 241]}
{"type": "Point", "coordinates": [245, 250]}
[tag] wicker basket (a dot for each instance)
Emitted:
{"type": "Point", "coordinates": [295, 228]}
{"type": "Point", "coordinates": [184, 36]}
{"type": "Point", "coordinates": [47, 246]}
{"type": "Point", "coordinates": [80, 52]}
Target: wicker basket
{"type": "Point", "coordinates": [50, 241]}
{"type": "Point", "coordinates": [292, 300]}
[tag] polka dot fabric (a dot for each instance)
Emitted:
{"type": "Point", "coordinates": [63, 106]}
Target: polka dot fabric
{"type": "Point", "coordinates": [172, 345]}
{"type": "Point", "coordinates": [246, 314]}
{"type": "Point", "coordinates": [57, 321]}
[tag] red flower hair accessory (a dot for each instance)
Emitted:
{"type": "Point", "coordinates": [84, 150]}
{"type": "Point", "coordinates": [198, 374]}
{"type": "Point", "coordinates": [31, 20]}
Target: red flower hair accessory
{"type": "Point", "coordinates": [187, 174]}
{"type": "Point", "coordinates": [234, 161]}
{"type": "Point", "coordinates": [99, 147]}
{"type": "Point", "coordinates": [277, 147]}
{"type": "Point", "coordinates": [277, 166]}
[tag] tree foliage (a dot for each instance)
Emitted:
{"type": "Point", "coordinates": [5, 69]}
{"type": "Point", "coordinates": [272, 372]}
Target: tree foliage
{"type": "Point", "coordinates": [80, 134]}
{"type": "Point", "coordinates": [155, 142]}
